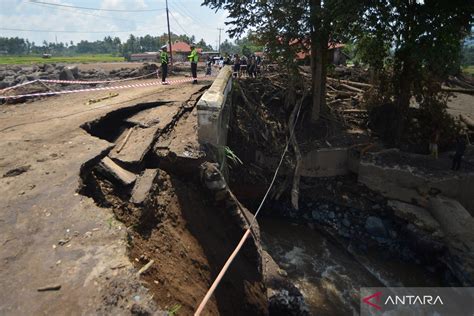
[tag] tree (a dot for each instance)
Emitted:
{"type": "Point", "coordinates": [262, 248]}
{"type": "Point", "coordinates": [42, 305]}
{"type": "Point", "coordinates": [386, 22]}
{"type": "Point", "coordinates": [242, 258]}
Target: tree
{"type": "Point", "coordinates": [415, 45]}
{"type": "Point", "coordinates": [290, 26]}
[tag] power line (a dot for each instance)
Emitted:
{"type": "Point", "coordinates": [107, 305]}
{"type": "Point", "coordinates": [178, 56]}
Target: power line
{"type": "Point", "coordinates": [95, 9]}
{"type": "Point", "coordinates": [182, 28]}
{"type": "Point", "coordinates": [82, 13]}
{"type": "Point", "coordinates": [195, 20]}
{"type": "Point", "coordinates": [58, 31]}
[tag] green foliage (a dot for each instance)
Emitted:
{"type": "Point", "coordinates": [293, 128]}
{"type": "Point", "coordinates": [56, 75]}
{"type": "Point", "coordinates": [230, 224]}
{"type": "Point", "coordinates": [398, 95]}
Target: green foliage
{"type": "Point", "coordinates": [110, 46]}
{"type": "Point", "coordinates": [233, 157]}
{"type": "Point", "coordinates": [174, 309]}
{"type": "Point", "coordinates": [85, 58]}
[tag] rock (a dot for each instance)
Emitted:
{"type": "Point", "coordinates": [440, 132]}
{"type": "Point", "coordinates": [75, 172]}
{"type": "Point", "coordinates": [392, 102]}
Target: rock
{"type": "Point", "coordinates": [74, 70]}
{"type": "Point", "coordinates": [316, 215]}
{"type": "Point", "coordinates": [346, 222]}
{"type": "Point", "coordinates": [332, 215]}
{"type": "Point", "coordinates": [375, 227]}
{"type": "Point", "coordinates": [66, 74]}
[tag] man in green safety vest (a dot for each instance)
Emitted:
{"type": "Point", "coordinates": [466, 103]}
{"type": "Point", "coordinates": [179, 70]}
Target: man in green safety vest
{"type": "Point", "coordinates": [193, 58]}
{"type": "Point", "coordinates": [164, 65]}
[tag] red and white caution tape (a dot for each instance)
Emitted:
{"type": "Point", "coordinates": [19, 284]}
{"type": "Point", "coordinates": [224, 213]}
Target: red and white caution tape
{"type": "Point", "coordinates": [19, 85]}
{"type": "Point", "coordinates": [135, 85]}
{"type": "Point", "coordinates": [95, 82]}
{"type": "Point", "coordinates": [77, 81]}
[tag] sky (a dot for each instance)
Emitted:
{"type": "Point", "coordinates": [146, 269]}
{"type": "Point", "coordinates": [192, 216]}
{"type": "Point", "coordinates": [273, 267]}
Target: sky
{"type": "Point", "coordinates": [186, 17]}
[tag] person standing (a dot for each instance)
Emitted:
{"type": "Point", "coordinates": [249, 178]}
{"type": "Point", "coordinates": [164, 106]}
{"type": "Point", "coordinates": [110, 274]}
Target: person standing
{"type": "Point", "coordinates": [164, 65]}
{"type": "Point", "coordinates": [236, 66]}
{"type": "Point", "coordinates": [209, 66]}
{"type": "Point", "coordinates": [194, 58]}
{"type": "Point", "coordinates": [460, 150]}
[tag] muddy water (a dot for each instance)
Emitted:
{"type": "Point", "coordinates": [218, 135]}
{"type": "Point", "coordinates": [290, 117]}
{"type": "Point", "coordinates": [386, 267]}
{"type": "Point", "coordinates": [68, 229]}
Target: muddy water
{"type": "Point", "coordinates": [328, 275]}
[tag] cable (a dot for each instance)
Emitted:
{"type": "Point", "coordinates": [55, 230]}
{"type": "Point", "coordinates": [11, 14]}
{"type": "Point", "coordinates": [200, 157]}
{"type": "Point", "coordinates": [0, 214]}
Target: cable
{"type": "Point", "coordinates": [200, 23]}
{"type": "Point", "coordinates": [247, 232]}
{"type": "Point", "coordinates": [81, 13]}
{"type": "Point", "coordinates": [58, 31]}
{"type": "Point", "coordinates": [184, 30]}
{"type": "Point", "coordinates": [95, 9]}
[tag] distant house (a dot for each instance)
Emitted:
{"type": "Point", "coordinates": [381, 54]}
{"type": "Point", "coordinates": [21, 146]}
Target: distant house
{"type": "Point", "coordinates": [148, 56]}
{"type": "Point", "coordinates": [181, 50]}
{"type": "Point", "coordinates": [336, 55]}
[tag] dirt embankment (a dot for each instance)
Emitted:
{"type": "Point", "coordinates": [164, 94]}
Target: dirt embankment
{"type": "Point", "coordinates": [175, 223]}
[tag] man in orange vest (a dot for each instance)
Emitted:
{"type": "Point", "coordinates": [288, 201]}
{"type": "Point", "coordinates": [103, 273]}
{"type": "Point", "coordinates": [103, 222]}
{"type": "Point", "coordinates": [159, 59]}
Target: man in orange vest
{"type": "Point", "coordinates": [194, 58]}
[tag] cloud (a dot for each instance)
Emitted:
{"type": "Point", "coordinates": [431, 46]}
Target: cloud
{"type": "Point", "coordinates": [188, 18]}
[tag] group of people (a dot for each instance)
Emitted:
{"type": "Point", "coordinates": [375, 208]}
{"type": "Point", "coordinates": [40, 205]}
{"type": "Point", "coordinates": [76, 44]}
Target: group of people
{"type": "Point", "coordinates": [246, 65]}
{"type": "Point", "coordinates": [460, 149]}
{"type": "Point", "coordinates": [193, 58]}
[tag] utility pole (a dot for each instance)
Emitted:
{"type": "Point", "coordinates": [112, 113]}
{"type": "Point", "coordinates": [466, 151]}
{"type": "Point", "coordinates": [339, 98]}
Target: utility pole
{"type": "Point", "coordinates": [169, 32]}
{"type": "Point", "coordinates": [219, 49]}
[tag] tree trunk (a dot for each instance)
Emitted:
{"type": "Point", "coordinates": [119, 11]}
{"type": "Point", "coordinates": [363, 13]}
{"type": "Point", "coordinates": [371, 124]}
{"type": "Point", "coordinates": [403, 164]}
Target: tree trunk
{"type": "Point", "coordinates": [319, 49]}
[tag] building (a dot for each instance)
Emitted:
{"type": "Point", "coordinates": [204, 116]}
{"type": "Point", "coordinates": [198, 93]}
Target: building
{"type": "Point", "coordinates": [181, 51]}
{"type": "Point", "coordinates": [148, 56]}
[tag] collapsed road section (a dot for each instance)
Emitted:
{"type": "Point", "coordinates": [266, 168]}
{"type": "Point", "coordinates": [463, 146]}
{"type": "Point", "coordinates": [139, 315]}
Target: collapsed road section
{"type": "Point", "coordinates": [181, 219]}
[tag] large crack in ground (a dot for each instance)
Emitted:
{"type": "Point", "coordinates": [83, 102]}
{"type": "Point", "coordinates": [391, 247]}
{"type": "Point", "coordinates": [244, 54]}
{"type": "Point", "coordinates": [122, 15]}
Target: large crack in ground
{"type": "Point", "coordinates": [170, 217]}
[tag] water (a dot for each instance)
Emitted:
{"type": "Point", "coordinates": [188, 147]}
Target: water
{"type": "Point", "coordinates": [328, 275]}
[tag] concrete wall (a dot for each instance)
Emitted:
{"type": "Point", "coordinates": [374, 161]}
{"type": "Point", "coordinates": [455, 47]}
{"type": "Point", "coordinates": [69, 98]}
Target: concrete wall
{"type": "Point", "coordinates": [328, 162]}
{"type": "Point", "coordinates": [403, 184]}
{"type": "Point", "coordinates": [214, 110]}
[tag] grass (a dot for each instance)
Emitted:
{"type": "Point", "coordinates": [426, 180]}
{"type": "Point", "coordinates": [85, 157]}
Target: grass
{"type": "Point", "coordinates": [88, 58]}
{"type": "Point", "coordinates": [468, 70]}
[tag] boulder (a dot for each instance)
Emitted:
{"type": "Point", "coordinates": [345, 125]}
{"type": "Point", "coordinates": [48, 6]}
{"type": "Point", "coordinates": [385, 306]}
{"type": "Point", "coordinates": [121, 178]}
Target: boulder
{"type": "Point", "coordinates": [66, 74]}
{"type": "Point", "coordinates": [375, 227]}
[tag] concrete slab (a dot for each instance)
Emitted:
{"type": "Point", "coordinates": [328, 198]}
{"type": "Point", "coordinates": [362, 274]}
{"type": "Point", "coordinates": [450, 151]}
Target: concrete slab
{"type": "Point", "coordinates": [114, 171]}
{"type": "Point", "coordinates": [161, 115]}
{"type": "Point", "coordinates": [137, 145]}
{"type": "Point", "coordinates": [417, 215]}
{"type": "Point", "coordinates": [457, 225]}
{"type": "Point", "coordinates": [143, 186]}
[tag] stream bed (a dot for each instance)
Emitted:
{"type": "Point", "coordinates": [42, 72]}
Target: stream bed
{"type": "Point", "coordinates": [330, 275]}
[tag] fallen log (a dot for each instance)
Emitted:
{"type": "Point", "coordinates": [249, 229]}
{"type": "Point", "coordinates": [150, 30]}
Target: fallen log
{"type": "Point", "coordinates": [467, 120]}
{"type": "Point", "coordinates": [295, 189]}
{"type": "Point", "coordinates": [348, 87]}
{"type": "Point", "coordinates": [352, 83]}
{"type": "Point", "coordinates": [354, 111]}
{"type": "Point", "coordinates": [459, 90]}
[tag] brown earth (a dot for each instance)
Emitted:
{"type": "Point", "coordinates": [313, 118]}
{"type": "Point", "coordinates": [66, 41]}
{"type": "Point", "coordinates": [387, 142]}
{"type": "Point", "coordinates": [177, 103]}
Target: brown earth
{"type": "Point", "coordinates": [50, 234]}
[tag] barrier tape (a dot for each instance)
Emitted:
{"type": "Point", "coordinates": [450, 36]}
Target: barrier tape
{"type": "Point", "coordinates": [136, 85]}
{"type": "Point", "coordinates": [77, 81]}
{"type": "Point", "coordinates": [94, 82]}
{"type": "Point", "coordinates": [19, 85]}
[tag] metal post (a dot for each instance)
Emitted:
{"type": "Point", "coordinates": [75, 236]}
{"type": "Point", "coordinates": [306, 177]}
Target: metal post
{"type": "Point", "coordinates": [219, 49]}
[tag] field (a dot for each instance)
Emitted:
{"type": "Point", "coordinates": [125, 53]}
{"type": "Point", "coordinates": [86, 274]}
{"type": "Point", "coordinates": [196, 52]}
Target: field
{"type": "Point", "coordinates": [469, 70]}
{"type": "Point", "coordinates": [88, 58]}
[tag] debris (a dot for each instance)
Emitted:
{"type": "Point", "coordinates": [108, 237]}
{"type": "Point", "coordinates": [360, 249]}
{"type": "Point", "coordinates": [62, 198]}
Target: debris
{"type": "Point", "coordinates": [111, 95]}
{"type": "Point", "coordinates": [62, 242]}
{"type": "Point", "coordinates": [143, 186]}
{"type": "Point", "coordinates": [111, 169]}
{"type": "Point", "coordinates": [119, 149]}
{"type": "Point", "coordinates": [17, 171]}
{"type": "Point", "coordinates": [145, 267]}
{"type": "Point", "coordinates": [55, 287]}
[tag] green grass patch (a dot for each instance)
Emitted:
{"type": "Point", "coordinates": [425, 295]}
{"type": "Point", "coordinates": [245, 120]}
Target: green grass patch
{"type": "Point", "coordinates": [88, 58]}
{"type": "Point", "coordinates": [468, 70]}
